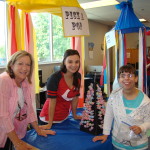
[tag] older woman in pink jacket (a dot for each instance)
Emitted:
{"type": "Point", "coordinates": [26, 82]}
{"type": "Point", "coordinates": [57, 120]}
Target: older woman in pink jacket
{"type": "Point", "coordinates": [16, 110]}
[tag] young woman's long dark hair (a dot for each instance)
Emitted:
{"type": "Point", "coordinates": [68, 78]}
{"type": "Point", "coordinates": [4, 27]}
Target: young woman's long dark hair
{"type": "Point", "coordinates": [63, 68]}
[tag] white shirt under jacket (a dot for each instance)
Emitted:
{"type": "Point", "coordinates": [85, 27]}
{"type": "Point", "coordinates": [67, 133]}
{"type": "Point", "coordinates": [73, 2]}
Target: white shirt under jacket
{"type": "Point", "coordinates": [115, 110]}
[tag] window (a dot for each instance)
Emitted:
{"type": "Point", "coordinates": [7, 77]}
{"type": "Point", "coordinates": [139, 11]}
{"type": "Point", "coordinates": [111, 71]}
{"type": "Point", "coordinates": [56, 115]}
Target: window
{"type": "Point", "coordinates": [3, 34]}
{"type": "Point", "coordinates": [60, 43]}
{"type": "Point", "coordinates": [50, 41]}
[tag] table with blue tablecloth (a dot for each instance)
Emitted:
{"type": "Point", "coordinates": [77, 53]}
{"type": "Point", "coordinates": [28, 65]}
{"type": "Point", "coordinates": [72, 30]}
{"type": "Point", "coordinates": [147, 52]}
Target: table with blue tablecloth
{"type": "Point", "coordinates": [68, 137]}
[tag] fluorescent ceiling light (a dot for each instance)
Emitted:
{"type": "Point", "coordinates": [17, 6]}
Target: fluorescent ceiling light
{"type": "Point", "coordinates": [99, 3]}
{"type": "Point", "coordinates": [142, 20]}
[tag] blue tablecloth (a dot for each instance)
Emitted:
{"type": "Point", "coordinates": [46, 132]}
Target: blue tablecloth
{"type": "Point", "coordinates": [68, 137]}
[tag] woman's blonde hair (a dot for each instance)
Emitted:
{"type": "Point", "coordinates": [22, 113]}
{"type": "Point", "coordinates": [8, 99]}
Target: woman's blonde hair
{"type": "Point", "coordinates": [14, 58]}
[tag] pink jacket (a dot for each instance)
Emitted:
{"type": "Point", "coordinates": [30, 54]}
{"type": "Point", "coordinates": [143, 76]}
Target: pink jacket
{"type": "Point", "coordinates": [8, 104]}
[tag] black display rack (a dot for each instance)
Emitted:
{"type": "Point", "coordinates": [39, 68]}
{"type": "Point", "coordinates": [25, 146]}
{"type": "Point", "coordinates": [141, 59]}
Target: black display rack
{"type": "Point", "coordinates": [94, 110]}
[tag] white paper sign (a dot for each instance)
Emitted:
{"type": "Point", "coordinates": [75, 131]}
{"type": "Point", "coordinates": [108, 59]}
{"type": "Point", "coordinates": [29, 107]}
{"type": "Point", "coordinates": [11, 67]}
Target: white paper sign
{"type": "Point", "coordinates": [110, 39]}
{"type": "Point", "coordinates": [128, 55]}
{"type": "Point", "coordinates": [75, 22]}
{"type": "Point", "coordinates": [91, 54]}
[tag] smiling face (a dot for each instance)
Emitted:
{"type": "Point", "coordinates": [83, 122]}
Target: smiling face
{"type": "Point", "coordinates": [21, 68]}
{"type": "Point", "coordinates": [72, 63]}
{"type": "Point", "coordinates": [127, 80]}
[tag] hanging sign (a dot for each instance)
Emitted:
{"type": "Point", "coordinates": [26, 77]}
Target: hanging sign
{"type": "Point", "coordinates": [110, 39]}
{"type": "Point", "coordinates": [75, 22]}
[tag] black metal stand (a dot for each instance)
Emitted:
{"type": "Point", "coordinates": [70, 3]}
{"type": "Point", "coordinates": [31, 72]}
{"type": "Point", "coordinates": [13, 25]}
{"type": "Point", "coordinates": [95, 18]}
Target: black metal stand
{"type": "Point", "coordinates": [92, 119]}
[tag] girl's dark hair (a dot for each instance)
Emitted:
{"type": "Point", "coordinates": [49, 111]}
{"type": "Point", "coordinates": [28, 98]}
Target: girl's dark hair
{"type": "Point", "coordinates": [127, 68]}
{"type": "Point", "coordinates": [63, 68]}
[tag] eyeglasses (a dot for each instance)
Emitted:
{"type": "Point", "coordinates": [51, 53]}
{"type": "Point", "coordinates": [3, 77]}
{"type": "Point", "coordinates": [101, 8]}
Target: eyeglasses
{"type": "Point", "coordinates": [130, 75]}
{"type": "Point", "coordinates": [22, 112]}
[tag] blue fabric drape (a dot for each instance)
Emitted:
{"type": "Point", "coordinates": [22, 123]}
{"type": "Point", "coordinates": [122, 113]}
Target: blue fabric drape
{"type": "Point", "coordinates": [68, 137]}
{"type": "Point", "coordinates": [128, 21]}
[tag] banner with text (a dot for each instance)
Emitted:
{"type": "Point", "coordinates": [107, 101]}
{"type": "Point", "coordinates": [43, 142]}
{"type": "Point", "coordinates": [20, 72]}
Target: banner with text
{"type": "Point", "coordinates": [75, 22]}
{"type": "Point", "coordinates": [110, 39]}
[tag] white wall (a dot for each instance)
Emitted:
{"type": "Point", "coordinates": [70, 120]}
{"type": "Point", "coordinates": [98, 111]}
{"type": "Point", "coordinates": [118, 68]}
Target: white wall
{"type": "Point", "coordinates": [148, 41]}
{"type": "Point", "coordinates": [133, 40]}
{"type": "Point", "coordinates": [47, 70]}
{"type": "Point", "coordinates": [2, 70]}
{"type": "Point", "coordinates": [97, 32]}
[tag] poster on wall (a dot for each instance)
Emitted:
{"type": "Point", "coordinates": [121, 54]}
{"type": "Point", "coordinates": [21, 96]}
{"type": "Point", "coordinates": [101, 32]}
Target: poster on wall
{"type": "Point", "coordinates": [75, 22]}
{"type": "Point", "coordinates": [90, 48]}
{"type": "Point", "coordinates": [110, 39]}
